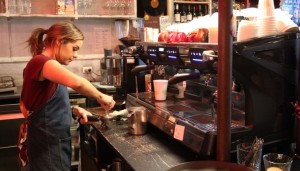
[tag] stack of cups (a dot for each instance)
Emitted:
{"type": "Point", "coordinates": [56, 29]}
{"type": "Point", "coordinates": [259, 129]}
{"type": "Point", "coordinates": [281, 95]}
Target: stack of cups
{"type": "Point", "coordinates": [284, 22]}
{"type": "Point", "coordinates": [266, 20]}
{"type": "Point", "coordinates": [246, 30]}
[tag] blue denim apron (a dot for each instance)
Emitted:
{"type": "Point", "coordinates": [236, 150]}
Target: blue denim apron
{"type": "Point", "coordinates": [49, 138]}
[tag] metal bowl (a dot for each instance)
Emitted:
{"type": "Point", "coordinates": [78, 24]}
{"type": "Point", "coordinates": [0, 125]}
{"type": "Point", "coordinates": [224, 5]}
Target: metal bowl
{"type": "Point", "coordinates": [129, 41]}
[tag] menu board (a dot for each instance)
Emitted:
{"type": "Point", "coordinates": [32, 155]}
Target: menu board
{"type": "Point", "coordinates": [102, 38]}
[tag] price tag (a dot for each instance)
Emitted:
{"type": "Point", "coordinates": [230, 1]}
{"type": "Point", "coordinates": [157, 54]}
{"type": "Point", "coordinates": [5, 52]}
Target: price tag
{"type": "Point", "coordinates": [179, 132]}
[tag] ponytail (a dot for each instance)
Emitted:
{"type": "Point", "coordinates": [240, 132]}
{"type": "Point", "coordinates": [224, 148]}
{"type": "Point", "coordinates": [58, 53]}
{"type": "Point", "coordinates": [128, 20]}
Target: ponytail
{"type": "Point", "coordinates": [35, 41]}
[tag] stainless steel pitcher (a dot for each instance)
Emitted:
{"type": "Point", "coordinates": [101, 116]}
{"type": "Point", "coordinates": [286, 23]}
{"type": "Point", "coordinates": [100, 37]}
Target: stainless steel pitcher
{"type": "Point", "coordinates": [137, 120]}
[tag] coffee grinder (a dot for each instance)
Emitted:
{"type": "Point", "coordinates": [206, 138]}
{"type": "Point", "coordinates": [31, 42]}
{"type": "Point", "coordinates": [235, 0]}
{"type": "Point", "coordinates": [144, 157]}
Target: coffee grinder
{"type": "Point", "coordinates": [129, 51]}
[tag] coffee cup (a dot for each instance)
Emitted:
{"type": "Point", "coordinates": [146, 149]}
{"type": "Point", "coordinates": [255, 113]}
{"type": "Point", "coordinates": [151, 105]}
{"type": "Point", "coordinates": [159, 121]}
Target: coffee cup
{"type": "Point", "coordinates": [160, 89]}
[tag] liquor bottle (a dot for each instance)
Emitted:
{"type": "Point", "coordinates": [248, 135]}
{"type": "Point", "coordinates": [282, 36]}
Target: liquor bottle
{"type": "Point", "coordinates": [176, 14]}
{"type": "Point", "coordinates": [199, 14]}
{"type": "Point", "coordinates": [189, 16]}
{"type": "Point", "coordinates": [204, 10]}
{"type": "Point", "coordinates": [194, 12]}
{"type": "Point", "coordinates": [183, 14]}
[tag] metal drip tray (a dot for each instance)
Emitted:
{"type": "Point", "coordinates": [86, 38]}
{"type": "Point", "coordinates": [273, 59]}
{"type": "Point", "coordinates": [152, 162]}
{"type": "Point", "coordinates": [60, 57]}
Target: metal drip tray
{"type": "Point", "coordinates": [203, 119]}
{"type": "Point", "coordinates": [200, 127]}
{"type": "Point", "coordinates": [189, 107]}
{"type": "Point", "coordinates": [177, 108]}
{"type": "Point", "coordinates": [207, 122]}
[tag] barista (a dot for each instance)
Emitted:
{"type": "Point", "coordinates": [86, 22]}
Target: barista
{"type": "Point", "coordinates": [46, 97]}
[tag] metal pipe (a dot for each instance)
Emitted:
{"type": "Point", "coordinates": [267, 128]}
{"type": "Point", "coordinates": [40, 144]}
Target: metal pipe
{"type": "Point", "coordinates": [224, 80]}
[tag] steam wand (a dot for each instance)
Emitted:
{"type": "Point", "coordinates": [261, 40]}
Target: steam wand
{"type": "Point", "coordinates": [138, 69]}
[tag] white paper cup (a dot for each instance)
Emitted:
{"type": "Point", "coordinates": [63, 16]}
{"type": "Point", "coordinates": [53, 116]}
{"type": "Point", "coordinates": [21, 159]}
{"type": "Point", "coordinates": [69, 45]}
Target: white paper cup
{"type": "Point", "coordinates": [284, 24]}
{"type": "Point", "coordinates": [266, 8]}
{"type": "Point", "coordinates": [246, 30]}
{"type": "Point", "coordinates": [160, 89]}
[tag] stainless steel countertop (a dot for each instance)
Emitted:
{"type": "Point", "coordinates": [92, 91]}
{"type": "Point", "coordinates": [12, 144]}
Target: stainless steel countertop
{"type": "Point", "coordinates": [153, 151]}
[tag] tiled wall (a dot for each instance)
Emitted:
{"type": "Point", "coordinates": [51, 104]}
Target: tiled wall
{"type": "Point", "coordinates": [99, 34]}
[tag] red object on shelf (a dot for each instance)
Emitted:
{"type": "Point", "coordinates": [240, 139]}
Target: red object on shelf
{"type": "Point", "coordinates": [173, 37]}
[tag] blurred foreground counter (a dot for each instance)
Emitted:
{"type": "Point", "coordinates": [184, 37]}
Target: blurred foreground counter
{"type": "Point", "coordinates": [114, 146]}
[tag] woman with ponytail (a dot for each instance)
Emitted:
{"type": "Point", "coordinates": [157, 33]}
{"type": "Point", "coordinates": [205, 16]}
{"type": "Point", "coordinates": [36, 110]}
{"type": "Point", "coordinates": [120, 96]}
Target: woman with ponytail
{"type": "Point", "coordinates": [45, 96]}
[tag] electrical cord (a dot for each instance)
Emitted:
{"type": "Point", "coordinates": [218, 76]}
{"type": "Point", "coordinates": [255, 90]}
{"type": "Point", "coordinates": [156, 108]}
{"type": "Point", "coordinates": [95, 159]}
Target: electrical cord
{"type": "Point", "coordinates": [94, 79]}
{"type": "Point", "coordinates": [95, 73]}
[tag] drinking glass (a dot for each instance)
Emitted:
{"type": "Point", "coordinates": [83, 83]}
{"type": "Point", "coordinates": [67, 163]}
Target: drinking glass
{"type": "Point", "coordinates": [108, 6]}
{"type": "Point", "coordinates": [275, 162]}
{"type": "Point", "coordinates": [248, 156]}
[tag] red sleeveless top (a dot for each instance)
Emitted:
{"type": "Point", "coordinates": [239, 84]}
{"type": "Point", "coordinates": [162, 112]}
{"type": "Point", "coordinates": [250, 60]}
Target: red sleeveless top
{"type": "Point", "coordinates": [34, 92]}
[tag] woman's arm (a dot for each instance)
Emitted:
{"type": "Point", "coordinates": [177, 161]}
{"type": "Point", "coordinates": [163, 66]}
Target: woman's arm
{"type": "Point", "coordinates": [54, 71]}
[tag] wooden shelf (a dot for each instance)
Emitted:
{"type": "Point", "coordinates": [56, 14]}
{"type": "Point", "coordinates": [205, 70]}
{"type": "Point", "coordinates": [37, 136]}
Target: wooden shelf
{"type": "Point", "coordinates": [48, 9]}
{"type": "Point", "coordinates": [68, 16]}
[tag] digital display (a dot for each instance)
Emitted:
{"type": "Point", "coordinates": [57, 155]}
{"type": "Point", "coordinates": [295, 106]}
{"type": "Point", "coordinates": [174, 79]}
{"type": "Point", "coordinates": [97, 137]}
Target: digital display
{"type": "Point", "coordinates": [151, 49]}
{"type": "Point", "coordinates": [195, 54]}
{"type": "Point", "coordinates": [161, 49]}
{"type": "Point", "coordinates": [152, 53]}
{"type": "Point", "coordinates": [172, 54]}
{"type": "Point", "coordinates": [196, 58]}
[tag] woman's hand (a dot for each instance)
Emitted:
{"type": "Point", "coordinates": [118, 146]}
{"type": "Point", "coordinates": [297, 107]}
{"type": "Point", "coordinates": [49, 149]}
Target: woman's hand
{"type": "Point", "coordinates": [107, 102]}
{"type": "Point", "coordinates": [81, 114]}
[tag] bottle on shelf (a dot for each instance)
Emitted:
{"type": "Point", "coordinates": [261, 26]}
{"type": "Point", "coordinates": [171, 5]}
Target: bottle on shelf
{"type": "Point", "coordinates": [199, 14]}
{"type": "Point", "coordinates": [189, 16]}
{"type": "Point", "coordinates": [194, 12]}
{"type": "Point", "coordinates": [176, 14]}
{"type": "Point", "coordinates": [204, 10]}
{"type": "Point", "coordinates": [183, 14]}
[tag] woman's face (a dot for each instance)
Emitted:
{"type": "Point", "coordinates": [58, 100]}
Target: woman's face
{"type": "Point", "coordinates": [67, 52]}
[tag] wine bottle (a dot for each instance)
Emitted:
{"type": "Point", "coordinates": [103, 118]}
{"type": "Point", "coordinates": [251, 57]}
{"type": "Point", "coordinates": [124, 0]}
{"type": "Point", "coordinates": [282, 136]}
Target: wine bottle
{"type": "Point", "coordinates": [189, 16]}
{"type": "Point", "coordinates": [204, 10]}
{"type": "Point", "coordinates": [183, 14]}
{"type": "Point", "coordinates": [176, 14]}
{"type": "Point", "coordinates": [199, 14]}
{"type": "Point", "coordinates": [194, 12]}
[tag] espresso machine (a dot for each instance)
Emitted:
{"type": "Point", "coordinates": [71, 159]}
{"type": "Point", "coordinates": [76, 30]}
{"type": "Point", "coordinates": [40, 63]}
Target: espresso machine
{"type": "Point", "coordinates": [264, 88]}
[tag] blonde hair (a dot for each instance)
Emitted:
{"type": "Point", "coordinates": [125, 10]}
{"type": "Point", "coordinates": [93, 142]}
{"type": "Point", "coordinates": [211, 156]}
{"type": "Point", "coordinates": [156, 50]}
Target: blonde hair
{"type": "Point", "coordinates": [62, 31]}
